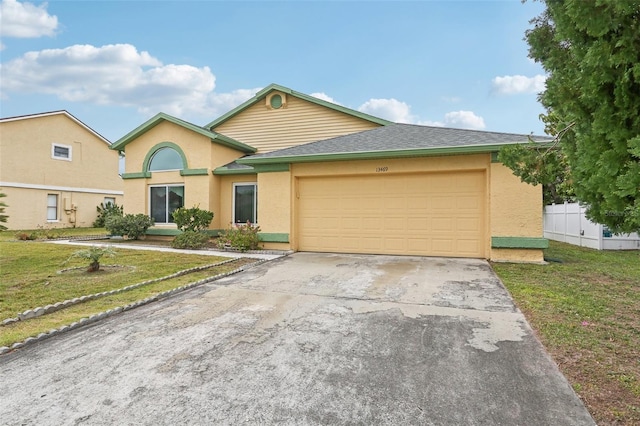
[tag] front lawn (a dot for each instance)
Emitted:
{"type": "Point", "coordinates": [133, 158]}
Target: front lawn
{"type": "Point", "coordinates": [585, 308]}
{"type": "Point", "coordinates": [34, 274]}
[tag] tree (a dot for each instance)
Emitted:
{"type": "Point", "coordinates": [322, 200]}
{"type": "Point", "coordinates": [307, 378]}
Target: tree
{"type": "Point", "coordinates": [541, 164]}
{"type": "Point", "coordinates": [591, 52]}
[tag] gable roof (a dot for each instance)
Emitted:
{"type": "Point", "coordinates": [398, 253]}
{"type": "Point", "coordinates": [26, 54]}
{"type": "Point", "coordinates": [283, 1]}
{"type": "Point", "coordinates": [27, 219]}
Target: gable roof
{"type": "Point", "coordinates": [395, 141]}
{"type": "Point", "coordinates": [160, 117]}
{"type": "Point", "coordinates": [51, 113]}
{"type": "Point", "coordinates": [276, 87]}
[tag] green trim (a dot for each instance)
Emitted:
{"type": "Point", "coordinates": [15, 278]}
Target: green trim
{"type": "Point", "coordinates": [273, 87]}
{"type": "Point", "coordinates": [269, 168]}
{"type": "Point", "coordinates": [138, 175]}
{"type": "Point", "coordinates": [163, 231]}
{"type": "Point", "coordinates": [158, 147]}
{"type": "Point", "coordinates": [519, 242]}
{"type": "Point", "coordinates": [194, 172]}
{"type": "Point", "coordinates": [223, 170]}
{"type": "Point", "coordinates": [271, 237]}
{"type": "Point", "coordinates": [370, 155]}
{"type": "Point", "coordinates": [160, 117]}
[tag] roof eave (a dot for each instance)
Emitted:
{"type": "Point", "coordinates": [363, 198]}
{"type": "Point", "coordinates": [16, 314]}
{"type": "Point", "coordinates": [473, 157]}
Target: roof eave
{"type": "Point", "coordinates": [372, 155]}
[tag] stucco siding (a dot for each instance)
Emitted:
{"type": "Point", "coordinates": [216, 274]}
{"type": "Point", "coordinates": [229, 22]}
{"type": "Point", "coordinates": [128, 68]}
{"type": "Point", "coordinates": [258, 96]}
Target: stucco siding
{"type": "Point", "coordinates": [296, 123]}
{"type": "Point", "coordinates": [80, 208]}
{"type": "Point", "coordinates": [516, 211]}
{"type": "Point", "coordinates": [274, 202]}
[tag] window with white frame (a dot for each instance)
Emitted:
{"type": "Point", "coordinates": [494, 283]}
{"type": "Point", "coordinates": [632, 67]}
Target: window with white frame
{"type": "Point", "coordinates": [245, 203]}
{"type": "Point", "coordinates": [61, 152]}
{"type": "Point", "coordinates": [109, 200]}
{"type": "Point", "coordinates": [164, 200]}
{"type": "Point", "coordinates": [52, 207]}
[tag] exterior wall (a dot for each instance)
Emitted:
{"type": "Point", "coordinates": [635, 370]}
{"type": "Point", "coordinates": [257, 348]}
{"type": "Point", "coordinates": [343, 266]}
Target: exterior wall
{"type": "Point", "coordinates": [80, 208]}
{"type": "Point", "coordinates": [200, 153]}
{"type": "Point", "coordinates": [295, 123]}
{"type": "Point", "coordinates": [274, 209]}
{"type": "Point", "coordinates": [28, 172]}
{"type": "Point", "coordinates": [516, 211]}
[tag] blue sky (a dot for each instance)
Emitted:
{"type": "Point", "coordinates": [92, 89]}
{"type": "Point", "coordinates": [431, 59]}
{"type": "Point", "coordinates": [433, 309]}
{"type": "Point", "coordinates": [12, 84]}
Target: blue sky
{"type": "Point", "coordinates": [114, 64]}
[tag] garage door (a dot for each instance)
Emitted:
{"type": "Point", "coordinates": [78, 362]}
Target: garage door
{"type": "Point", "coordinates": [433, 214]}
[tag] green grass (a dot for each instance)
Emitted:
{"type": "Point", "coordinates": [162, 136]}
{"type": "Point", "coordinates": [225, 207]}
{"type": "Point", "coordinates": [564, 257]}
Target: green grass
{"type": "Point", "coordinates": [35, 274]}
{"type": "Point", "coordinates": [585, 307]}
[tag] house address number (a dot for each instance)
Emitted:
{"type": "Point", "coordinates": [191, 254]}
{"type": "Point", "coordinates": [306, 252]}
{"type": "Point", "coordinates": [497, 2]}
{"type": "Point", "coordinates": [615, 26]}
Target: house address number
{"type": "Point", "coordinates": [382, 169]}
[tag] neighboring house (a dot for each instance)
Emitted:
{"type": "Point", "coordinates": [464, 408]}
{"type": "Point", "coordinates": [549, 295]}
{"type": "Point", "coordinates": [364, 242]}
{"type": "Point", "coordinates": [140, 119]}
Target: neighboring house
{"type": "Point", "coordinates": [316, 176]}
{"type": "Point", "coordinates": [55, 170]}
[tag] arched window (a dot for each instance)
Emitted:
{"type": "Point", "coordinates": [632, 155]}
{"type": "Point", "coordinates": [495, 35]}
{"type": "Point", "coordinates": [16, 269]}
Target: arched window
{"type": "Point", "coordinates": [165, 159]}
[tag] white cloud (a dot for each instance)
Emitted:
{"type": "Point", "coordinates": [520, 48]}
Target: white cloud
{"type": "Point", "coordinates": [400, 112]}
{"type": "Point", "coordinates": [325, 97]}
{"type": "Point", "coordinates": [389, 109]}
{"type": "Point", "coordinates": [25, 20]}
{"type": "Point", "coordinates": [120, 75]}
{"type": "Point", "coordinates": [515, 84]}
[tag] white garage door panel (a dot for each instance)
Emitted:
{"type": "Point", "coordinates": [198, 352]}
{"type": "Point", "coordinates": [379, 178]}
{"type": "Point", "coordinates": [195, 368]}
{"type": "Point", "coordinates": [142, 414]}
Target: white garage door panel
{"type": "Point", "coordinates": [438, 214]}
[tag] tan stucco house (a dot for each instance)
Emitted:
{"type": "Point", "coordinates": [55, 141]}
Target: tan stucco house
{"type": "Point", "coordinates": [55, 171]}
{"type": "Point", "coordinates": [316, 176]}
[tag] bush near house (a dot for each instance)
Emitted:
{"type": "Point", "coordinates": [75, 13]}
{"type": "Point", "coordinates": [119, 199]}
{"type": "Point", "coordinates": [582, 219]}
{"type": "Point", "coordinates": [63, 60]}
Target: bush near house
{"type": "Point", "coordinates": [193, 223]}
{"type": "Point", "coordinates": [240, 237]}
{"type": "Point", "coordinates": [106, 210]}
{"type": "Point", "coordinates": [131, 226]}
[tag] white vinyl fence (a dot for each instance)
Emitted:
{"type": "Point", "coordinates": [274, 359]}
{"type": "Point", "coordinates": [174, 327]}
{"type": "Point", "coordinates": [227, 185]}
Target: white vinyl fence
{"type": "Point", "coordinates": [567, 222]}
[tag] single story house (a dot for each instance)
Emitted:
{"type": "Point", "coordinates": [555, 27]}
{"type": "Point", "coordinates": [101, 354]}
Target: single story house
{"type": "Point", "coordinates": [316, 176]}
{"type": "Point", "coordinates": [55, 171]}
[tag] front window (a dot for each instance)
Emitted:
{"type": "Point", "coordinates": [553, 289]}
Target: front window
{"type": "Point", "coordinates": [52, 207]}
{"type": "Point", "coordinates": [165, 159]}
{"type": "Point", "coordinates": [245, 201]}
{"type": "Point", "coordinates": [60, 152]}
{"type": "Point", "coordinates": [164, 201]}
{"type": "Point", "coordinates": [109, 200]}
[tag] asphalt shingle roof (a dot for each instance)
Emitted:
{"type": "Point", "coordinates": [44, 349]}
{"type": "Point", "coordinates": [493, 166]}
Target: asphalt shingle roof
{"type": "Point", "coordinates": [399, 137]}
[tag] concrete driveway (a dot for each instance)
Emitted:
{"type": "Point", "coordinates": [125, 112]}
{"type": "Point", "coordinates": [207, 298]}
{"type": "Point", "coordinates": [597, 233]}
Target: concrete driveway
{"type": "Point", "coordinates": [306, 339]}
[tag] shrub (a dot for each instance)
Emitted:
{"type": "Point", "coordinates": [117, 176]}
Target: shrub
{"type": "Point", "coordinates": [106, 210]}
{"type": "Point", "coordinates": [241, 237]}
{"type": "Point", "coordinates": [193, 219]}
{"type": "Point", "coordinates": [190, 240]}
{"type": "Point", "coordinates": [93, 255]}
{"type": "Point", "coordinates": [24, 236]}
{"type": "Point", "coordinates": [130, 225]}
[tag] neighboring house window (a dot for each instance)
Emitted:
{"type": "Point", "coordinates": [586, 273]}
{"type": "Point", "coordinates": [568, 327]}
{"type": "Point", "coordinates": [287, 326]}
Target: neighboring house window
{"type": "Point", "coordinates": [61, 152]}
{"type": "Point", "coordinates": [245, 202]}
{"type": "Point", "coordinates": [164, 200]}
{"type": "Point", "coordinates": [52, 207]}
{"type": "Point", "coordinates": [109, 200]}
{"type": "Point", "coordinates": [165, 159]}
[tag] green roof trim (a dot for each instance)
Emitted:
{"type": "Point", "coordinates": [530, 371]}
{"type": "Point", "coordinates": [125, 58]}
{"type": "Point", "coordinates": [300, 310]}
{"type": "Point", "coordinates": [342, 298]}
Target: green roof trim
{"type": "Point", "coordinates": [224, 171]}
{"type": "Point", "coordinates": [519, 242]}
{"type": "Point", "coordinates": [194, 172]}
{"type": "Point", "coordinates": [270, 168]}
{"type": "Point", "coordinates": [160, 117]}
{"type": "Point", "coordinates": [371, 155]}
{"type": "Point", "coordinates": [276, 87]}
{"type": "Point", "coordinates": [271, 237]}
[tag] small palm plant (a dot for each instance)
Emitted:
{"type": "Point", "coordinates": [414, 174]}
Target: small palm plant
{"type": "Point", "coordinates": [93, 255]}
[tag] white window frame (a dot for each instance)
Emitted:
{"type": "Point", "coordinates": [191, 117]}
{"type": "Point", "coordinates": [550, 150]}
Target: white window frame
{"type": "Point", "coordinates": [108, 200]}
{"type": "Point", "coordinates": [165, 185]}
{"type": "Point", "coordinates": [255, 202]}
{"type": "Point", "coordinates": [53, 207]}
{"type": "Point", "coordinates": [59, 145]}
